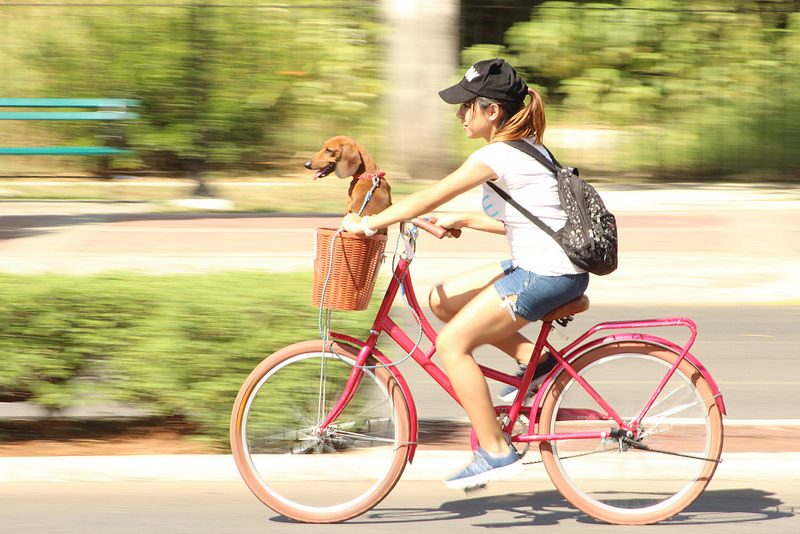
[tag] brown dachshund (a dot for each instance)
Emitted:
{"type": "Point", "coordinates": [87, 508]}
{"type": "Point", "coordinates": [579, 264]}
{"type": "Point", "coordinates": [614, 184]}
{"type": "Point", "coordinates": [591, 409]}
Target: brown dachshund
{"type": "Point", "coordinates": [347, 158]}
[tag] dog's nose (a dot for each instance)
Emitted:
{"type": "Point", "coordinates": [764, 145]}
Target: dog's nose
{"type": "Point", "coordinates": [307, 164]}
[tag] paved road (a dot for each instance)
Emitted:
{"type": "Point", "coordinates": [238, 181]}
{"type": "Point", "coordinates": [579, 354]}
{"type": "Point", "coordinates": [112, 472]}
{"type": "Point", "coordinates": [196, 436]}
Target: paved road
{"type": "Point", "coordinates": [750, 350]}
{"type": "Point", "coordinates": [425, 507]}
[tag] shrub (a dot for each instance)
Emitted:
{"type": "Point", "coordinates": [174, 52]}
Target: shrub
{"type": "Point", "coordinates": [177, 345]}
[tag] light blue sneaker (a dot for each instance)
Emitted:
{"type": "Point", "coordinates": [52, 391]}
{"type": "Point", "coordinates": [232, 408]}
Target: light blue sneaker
{"type": "Point", "coordinates": [508, 393]}
{"type": "Point", "coordinates": [484, 467]}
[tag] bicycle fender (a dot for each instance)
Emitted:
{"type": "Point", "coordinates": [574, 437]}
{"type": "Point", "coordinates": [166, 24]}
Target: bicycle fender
{"type": "Point", "coordinates": [632, 336]}
{"type": "Point", "coordinates": [401, 381]}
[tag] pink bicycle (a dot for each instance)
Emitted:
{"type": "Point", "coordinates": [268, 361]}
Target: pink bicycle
{"type": "Point", "coordinates": [628, 425]}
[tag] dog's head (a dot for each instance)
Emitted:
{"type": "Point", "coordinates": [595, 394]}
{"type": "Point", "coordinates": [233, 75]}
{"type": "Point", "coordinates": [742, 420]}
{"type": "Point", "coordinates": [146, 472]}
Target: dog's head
{"type": "Point", "coordinates": [340, 154]}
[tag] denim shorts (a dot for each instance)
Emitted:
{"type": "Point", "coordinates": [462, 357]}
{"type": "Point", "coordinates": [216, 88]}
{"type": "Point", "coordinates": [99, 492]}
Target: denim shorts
{"type": "Point", "coordinates": [538, 295]}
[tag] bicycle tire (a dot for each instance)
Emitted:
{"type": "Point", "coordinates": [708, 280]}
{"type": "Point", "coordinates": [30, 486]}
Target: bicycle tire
{"type": "Point", "coordinates": [312, 476]}
{"type": "Point", "coordinates": [613, 480]}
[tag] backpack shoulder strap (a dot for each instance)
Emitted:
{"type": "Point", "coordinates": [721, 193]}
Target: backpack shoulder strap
{"type": "Point", "coordinates": [553, 158]}
{"type": "Point", "coordinates": [552, 166]}
{"type": "Point", "coordinates": [533, 218]}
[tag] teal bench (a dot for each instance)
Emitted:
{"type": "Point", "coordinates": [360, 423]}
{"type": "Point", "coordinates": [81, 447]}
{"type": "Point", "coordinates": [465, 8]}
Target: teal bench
{"type": "Point", "coordinates": [66, 109]}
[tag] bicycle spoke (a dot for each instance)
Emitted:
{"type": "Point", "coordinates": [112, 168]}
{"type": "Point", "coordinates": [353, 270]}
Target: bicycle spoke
{"type": "Point", "coordinates": [323, 393]}
{"type": "Point", "coordinates": [681, 408]}
{"type": "Point", "coordinates": [363, 437]}
{"type": "Point", "coordinates": [663, 399]}
{"type": "Point", "coordinates": [278, 440]}
{"type": "Point", "coordinates": [311, 444]}
{"type": "Point", "coordinates": [645, 473]}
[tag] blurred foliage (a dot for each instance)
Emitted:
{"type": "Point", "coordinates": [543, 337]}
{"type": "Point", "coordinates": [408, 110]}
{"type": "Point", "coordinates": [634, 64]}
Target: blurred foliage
{"type": "Point", "coordinates": [175, 345]}
{"type": "Point", "coordinates": [228, 85]}
{"type": "Point", "coordinates": [664, 87]}
{"type": "Point", "coordinates": [704, 87]}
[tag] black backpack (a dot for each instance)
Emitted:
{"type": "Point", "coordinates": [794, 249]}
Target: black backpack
{"type": "Point", "coordinates": [589, 237]}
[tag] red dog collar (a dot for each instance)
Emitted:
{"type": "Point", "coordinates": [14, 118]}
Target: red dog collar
{"type": "Point", "coordinates": [370, 176]}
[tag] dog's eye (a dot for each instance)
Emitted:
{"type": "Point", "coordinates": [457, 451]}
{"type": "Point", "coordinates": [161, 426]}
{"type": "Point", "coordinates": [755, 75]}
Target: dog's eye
{"type": "Point", "coordinates": [328, 151]}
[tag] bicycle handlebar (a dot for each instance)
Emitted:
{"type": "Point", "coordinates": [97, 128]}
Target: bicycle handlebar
{"type": "Point", "coordinates": [436, 231]}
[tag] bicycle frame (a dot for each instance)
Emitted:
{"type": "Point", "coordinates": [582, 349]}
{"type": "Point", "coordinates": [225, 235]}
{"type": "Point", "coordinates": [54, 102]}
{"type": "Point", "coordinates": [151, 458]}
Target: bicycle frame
{"type": "Point", "coordinates": [384, 324]}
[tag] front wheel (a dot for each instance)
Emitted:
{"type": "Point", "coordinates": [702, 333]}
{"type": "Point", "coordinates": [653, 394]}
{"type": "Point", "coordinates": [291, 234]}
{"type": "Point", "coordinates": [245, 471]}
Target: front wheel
{"type": "Point", "coordinates": [309, 473]}
{"type": "Point", "coordinates": [655, 472]}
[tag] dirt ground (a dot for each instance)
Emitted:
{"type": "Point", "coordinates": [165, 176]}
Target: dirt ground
{"type": "Point", "coordinates": [159, 443]}
{"type": "Point", "coordinates": [115, 438]}
{"type": "Point", "coordinates": [99, 438]}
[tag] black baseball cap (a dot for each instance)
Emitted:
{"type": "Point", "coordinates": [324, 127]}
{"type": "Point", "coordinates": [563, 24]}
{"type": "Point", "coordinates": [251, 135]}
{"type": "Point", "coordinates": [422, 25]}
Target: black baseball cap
{"type": "Point", "coordinates": [491, 78]}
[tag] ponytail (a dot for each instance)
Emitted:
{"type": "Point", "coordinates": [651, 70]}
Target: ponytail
{"type": "Point", "coordinates": [528, 121]}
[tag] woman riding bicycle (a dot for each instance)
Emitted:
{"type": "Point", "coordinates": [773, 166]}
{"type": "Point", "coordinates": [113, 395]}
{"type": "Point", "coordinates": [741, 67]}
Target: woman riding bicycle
{"type": "Point", "coordinates": [490, 304]}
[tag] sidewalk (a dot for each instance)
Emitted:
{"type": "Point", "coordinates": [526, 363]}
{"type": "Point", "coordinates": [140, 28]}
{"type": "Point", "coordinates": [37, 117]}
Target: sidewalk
{"type": "Point", "coordinates": [721, 244]}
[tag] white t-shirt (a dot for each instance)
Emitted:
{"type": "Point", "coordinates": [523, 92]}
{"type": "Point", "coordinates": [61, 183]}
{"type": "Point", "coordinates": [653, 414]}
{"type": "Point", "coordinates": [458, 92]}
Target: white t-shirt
{"type": "Point", "coordinates": [529, 183]}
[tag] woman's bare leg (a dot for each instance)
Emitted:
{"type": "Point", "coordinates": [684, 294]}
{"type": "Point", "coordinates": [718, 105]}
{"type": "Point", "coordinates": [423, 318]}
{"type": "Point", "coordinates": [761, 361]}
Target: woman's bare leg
{"type": "Point", "coordinates": [449, 297]}
{"type": "Point", "coordinates": [481, 320]}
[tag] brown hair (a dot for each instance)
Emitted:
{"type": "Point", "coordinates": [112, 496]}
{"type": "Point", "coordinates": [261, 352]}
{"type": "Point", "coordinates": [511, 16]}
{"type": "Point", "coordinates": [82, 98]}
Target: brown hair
{"type": "Point", "coordinates": [520, 121]}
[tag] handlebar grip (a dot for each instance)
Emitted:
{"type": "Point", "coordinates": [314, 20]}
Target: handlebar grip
{"type": "Point", "coordinates": [433, 229]}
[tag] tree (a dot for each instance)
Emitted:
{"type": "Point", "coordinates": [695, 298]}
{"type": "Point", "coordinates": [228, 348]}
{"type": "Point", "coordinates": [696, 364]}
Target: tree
{"type": "Point", "coordinates": [220, 86]}
{"type": "Point", "coordinates": [704, 87]}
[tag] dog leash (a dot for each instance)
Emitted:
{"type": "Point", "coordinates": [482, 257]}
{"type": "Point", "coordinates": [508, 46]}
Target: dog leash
{"type": "Point", "coordinates": [376, 181]}
{"type": "Point", "coordinates": [324, 325]}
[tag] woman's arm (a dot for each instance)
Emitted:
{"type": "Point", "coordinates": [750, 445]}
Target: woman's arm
{"type": "Point", "coordinates": [470, 174]}
{"type": "Point", "coordinates": [473, 220]}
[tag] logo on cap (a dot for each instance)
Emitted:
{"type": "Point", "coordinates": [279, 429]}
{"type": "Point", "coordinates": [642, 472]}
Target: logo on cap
{"type": "Point", "coordinates": [471, 74]}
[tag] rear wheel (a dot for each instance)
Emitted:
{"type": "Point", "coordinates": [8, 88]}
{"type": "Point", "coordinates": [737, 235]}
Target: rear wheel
{"type": "Point", "coordinates": [660, 469]}
{"type": "Point", "coordinates": [312, 474]}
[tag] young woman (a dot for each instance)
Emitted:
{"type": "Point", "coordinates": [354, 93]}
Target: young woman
{"type": "Point", "coordinates": [489, 305]}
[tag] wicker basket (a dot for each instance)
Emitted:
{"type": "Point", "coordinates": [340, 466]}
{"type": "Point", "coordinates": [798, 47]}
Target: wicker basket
{"type": "Point", "coordinates": [353, 272]}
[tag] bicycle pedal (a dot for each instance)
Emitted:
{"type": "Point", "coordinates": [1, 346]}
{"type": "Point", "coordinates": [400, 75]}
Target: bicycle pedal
{"type": "Point", "coordinates": [476, 487]}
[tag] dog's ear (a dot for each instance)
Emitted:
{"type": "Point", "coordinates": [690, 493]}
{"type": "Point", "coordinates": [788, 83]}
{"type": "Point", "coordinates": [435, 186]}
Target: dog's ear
{"type": "Point", "coordinates": [349, 160]}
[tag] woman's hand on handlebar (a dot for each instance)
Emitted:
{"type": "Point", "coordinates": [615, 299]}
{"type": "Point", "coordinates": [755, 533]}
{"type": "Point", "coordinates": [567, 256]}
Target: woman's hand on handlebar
{"type": "Point", "coordinates": [452, 222]}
